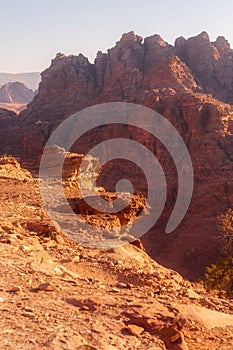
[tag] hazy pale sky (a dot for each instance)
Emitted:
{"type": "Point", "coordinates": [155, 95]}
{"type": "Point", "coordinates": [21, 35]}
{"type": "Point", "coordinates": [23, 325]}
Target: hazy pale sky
{"type": "Point", "coordinates": [33, 31]}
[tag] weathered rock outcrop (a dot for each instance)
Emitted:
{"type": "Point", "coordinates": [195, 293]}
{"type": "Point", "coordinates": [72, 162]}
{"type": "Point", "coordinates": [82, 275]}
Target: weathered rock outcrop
{"type": "Point", "coordinates": [11, 169]}
{"type": "Point", "coordinates": [173, 81]}
{"type": "Point", "coordinates": [210, 62]}
{"type": "Point", "coordinates": [70, 171]}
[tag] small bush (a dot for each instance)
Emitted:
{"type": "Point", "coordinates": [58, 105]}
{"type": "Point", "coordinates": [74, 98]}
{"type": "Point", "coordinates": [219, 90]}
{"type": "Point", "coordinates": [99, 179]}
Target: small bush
{"type": "Point", "coordinates": [226, 231]}
{"type": "Point", "coordinates": [220, 276]}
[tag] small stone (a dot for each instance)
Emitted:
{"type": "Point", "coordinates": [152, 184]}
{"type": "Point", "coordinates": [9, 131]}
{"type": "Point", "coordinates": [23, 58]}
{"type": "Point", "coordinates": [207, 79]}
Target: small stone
{"type": "Point", "coordinates": [59, 239]}
{"type": "Point", "coordinates": [2, 300]}
{"type": "Point", "coordinates": [115, 290]}
{"type": "Point", "coordinates": [76, 259]}
{"type": "Point", "coordinates": [15, 289]}
{"type": "Point", "coordinates": [157, 275]}
{"type": "Point", "coordinates": [25, 248]}
{"type": "Point", "coordinates": [85, 308]}
{"type": "Point", "coordinates": [46, 287]}
{"type": "Point", "coordinates": [47, 316]}
{"type": "Point", "coordinates": [174, 338]}
{"type": "Point", "coordinates": [28, 314]}
{"type": "Point", "coordinates": [49, 244]}
{"type": "Point", "coordinates": [192, 295]}
{"type": "Point", "coordinates": [120, 262]}
{"type": "Point", "coordinates": [5, 240]}
{"type": "Point", "coordinates": [28, 309]}
{"type": "Point", "coordinates": [46, 239]}
{"type": "Point", "coordinates": [135, 330]}
{"type": "Point", "coordinates": [122, 285]}
{"type": "Point", "coordinates": [66, 261]}
{"type": "Point", "coordinates": [8, 331]}
{"type": "Point", "coordinates": [150, 282]}
{"type": "Point", "coordinates": [102, 286]}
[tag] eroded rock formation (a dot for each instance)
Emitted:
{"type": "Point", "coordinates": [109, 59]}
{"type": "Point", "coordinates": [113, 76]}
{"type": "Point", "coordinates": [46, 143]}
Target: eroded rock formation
{"type": "Point", "coordinates": [189, 84]}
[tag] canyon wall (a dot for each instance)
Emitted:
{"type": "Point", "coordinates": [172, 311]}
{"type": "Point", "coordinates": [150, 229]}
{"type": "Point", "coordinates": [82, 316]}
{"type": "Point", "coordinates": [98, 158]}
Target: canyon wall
{"type": "Point", "coordinates": [190, 84]}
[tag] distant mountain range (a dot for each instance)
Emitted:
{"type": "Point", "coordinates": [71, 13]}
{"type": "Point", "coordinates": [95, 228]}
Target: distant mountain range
{"type": "Point", "coordinates": [31, 80]}
{"type": "Point", "coordinates": [16, 93]}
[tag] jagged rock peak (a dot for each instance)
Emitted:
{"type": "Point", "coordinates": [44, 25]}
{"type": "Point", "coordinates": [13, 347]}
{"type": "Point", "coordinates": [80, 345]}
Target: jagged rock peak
{"type": "Point", "coordinates": [60, 58]}
{"type": "Point", "coordinates": [203, 36]}
{"type": "Point", "coordinates": [180, 42]}
{"type": "Point", "coordinates": [131, 36]}
{"type": "Point", "coordinates": [100, 57]}
{"type": "Point", "coordinates": [99, 54]}
{"type": "Point", "coordinates": [222, 44]}
{"type": "Point", "coordinates": [155, 41]}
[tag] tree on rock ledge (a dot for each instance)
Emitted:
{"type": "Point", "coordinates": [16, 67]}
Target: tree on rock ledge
{"type": "Point", "coordinates": [220, 275]}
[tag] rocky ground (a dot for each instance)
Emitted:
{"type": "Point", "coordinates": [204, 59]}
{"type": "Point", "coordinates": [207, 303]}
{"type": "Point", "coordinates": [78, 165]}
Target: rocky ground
{"type": "Point", "coordinates": [57, 294]}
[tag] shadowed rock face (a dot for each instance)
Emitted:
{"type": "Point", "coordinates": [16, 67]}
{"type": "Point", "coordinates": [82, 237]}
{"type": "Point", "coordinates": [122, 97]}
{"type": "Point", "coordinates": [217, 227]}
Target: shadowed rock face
{"type": "Point", "coordinates": [211, 63]}
{"type": "Point", "coordinates": [9, 131]}
{"type": "Point", "coordinates": [189, 84]}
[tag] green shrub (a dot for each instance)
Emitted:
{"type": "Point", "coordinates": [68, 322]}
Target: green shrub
{"type": "Point", "coordinates": [226, 231]}
{"type": "Point", "coordinates": [220, 275]}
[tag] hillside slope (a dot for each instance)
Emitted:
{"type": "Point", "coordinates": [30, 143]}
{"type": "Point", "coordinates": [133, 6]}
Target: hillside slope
{"type": "Point", "coordinates": [56, 294]}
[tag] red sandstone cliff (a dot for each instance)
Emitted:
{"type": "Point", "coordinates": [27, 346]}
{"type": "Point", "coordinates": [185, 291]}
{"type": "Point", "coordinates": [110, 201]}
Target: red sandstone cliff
{"type": "Point", "coordinates": [173, 81]}
{"type": "Point", "coordinates": [211, 64]}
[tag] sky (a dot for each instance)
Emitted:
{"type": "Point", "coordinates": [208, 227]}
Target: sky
{"type": "Point", "coordinates": [33, 31]}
